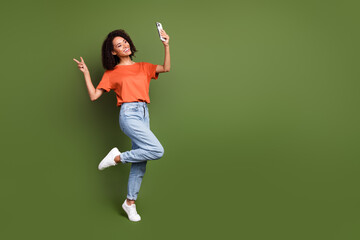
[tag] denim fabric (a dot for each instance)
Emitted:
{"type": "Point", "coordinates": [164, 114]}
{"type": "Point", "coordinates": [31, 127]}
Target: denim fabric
{"type": "Point", "coordinates": [135, 123]}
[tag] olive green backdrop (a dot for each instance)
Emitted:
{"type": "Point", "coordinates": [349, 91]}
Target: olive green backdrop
{"type": "Point", "coordinates": [259, 118]}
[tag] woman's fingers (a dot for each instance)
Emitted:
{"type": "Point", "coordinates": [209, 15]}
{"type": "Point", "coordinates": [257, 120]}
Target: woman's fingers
{"type": "Point", "coordinates": [81, 65]}
{"type": "Point", "coordinates": [82, 60]}
{"type": "Point", "coordinates": [163, 33]}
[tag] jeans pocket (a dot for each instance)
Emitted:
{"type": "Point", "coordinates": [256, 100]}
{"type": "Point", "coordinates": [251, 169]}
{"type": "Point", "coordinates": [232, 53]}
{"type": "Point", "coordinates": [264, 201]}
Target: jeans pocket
{"type": "Point", "coordinates": [131, 110]}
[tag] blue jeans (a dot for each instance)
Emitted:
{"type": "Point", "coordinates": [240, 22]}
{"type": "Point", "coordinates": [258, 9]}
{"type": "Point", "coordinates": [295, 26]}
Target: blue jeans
{"type": "Point", "coordinates": [135, 123]}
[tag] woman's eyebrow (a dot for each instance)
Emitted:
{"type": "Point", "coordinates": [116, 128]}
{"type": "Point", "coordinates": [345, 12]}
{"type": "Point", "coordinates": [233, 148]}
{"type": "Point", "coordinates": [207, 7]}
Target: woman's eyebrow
{"type": "Point", "coordinates": [120, 42]}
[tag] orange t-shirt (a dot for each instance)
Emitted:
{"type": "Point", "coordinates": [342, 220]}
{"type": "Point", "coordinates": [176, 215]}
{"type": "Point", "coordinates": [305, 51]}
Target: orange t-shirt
{"type": "Point", "coordinates": [129, 82]}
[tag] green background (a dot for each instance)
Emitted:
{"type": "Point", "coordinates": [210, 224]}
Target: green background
{"type": "Point", "coordinates": [259, 118]}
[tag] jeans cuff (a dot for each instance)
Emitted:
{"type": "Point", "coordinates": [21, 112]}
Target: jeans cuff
{"type": "Point", "coordinates": [131, 198]}
{"type": "Point", "coordinates": [122, 159]}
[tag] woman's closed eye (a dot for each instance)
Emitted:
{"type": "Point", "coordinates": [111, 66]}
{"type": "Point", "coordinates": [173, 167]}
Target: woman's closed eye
{"type": "Point", "coordinates": [120, 44]}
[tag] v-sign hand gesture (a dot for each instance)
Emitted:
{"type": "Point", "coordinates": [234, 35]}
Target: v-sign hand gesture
{"type": "Point", "coordinates": [81, 65]}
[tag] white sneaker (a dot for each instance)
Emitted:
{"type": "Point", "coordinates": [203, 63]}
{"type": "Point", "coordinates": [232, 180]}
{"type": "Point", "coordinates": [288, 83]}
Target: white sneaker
{"type": "Point", "coordinates": [131, 212]}
{"type": "Point", "coordinates": [109, 161]}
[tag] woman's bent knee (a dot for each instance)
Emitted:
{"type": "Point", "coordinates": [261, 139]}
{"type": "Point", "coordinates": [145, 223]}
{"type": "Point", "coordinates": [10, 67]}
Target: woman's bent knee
{"type": "Point", "coordinates": [158, 152]}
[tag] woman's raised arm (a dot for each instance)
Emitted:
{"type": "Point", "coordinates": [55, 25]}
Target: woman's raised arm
{"type": "Point", "coordinates": [166, 66]}
{"type": "Point", "coordinates": [93, 93]}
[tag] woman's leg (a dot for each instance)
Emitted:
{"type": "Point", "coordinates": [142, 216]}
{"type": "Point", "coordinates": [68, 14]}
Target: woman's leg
{"type": "Point", "coordinates": [135, 123]}
{"type": "Point", "coordinates": [137, 172]}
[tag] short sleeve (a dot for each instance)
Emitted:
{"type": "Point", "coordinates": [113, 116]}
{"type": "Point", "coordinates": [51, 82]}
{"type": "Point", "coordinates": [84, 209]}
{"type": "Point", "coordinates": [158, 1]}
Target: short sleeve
{"type": "Point", "coordinates": [151, 69]}
{"type": "Point", "coordinates": [105, 82]}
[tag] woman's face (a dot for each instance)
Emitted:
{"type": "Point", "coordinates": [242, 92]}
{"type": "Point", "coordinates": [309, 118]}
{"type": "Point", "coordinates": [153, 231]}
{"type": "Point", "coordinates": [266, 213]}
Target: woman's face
{"type": "Point", "coordinates": [121, 47]}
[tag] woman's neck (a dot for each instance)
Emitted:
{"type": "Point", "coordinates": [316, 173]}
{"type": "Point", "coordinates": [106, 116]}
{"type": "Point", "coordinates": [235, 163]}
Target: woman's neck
{"type": "Point", "coordinates": [126, 61]}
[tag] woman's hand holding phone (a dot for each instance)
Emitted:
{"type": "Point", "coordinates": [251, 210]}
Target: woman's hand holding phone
{"type": "Point", "coordinates": [163, 36]}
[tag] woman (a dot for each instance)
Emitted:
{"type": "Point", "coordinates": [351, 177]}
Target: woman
{"type": "Point", "coordinates": [130, 81]}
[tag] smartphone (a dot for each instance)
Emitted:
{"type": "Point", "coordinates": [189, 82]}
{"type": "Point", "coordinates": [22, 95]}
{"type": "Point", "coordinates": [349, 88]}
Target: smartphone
{"type": "Point", "coordinates": [159, 28]}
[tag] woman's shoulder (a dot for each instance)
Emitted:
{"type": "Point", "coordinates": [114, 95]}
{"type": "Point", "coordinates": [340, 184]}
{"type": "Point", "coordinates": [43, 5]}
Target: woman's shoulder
{"type": "Point", "coordinates": [146, 63]}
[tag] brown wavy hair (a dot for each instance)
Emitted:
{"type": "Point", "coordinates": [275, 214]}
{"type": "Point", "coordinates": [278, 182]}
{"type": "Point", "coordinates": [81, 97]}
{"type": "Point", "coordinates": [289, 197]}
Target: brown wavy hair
{"type": "Point", "coordinates": [109, 60]}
